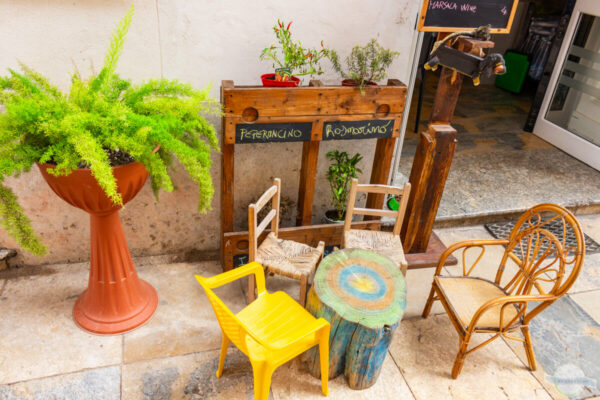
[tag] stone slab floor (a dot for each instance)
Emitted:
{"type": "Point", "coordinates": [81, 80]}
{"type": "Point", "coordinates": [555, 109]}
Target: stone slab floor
{"type": "Point", "coordinates": [43, 355]}
{"type": "Point", "coordinates": [497, 167]}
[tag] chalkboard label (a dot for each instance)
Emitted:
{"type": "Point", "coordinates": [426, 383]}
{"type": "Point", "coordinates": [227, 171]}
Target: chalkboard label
{"type": "Point", "coordinates": [448, 15]}
{"type": "Point", "coordinates": [379, 128]}
{"type": "Point", "coordinates": [274, 132]}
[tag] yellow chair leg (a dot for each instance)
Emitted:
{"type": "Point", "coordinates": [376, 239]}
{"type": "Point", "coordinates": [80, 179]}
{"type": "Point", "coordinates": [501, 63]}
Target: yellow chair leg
{"type": "Point", "coordinates": [262, 372]}
{"type": "Point", "coordinates": [224, 346]}
{"type": "Point", "coordinates": [324, 358]}
{"type": "Point", "coordinates": [529, 348]}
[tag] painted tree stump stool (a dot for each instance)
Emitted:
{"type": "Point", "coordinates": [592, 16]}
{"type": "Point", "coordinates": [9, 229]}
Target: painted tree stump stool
{"type": "Point", "coordinates": [363, 295]}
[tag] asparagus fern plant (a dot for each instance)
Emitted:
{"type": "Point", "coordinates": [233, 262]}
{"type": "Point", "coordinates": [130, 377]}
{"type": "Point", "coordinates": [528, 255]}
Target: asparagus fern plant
{"type": "Point", "coordinates": [100, 120]}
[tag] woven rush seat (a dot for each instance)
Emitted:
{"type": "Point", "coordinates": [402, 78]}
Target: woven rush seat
{"type": "Point", "coordinates": [384, 243]}
{"type": "Point", "coordinates": [288, 258]}
{"type": "Point", "coordinates": [466, 295]}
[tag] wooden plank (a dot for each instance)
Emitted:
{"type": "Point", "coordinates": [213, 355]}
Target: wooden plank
{"type": "Point", "coordinates": [384, 152]}
{"type": "Point", "coordinates": [375, 212]}
{"type": "Point", "coordinates": [318, 121]}
{"type": "Point", "coordinates": [445, 140]}
{"type": "Point", "coordinates": [266, 196]}
{"type": "Point", "coordinates": [419, 177]}
{"type": "Point", "coordinates": [308, 178]}
{"type": "Point", "coordinates": [236, 243]}
{"type": "Point", "coordinates": [430, 257]}
{"type": "Point", "coordinates": [316, 100]}
{"type": "Point", "coordinates": [385, 189]}
{"type": "Point", "coordinates": [227, 153]}
{"type": "Point", "coordinates": [446, 97]}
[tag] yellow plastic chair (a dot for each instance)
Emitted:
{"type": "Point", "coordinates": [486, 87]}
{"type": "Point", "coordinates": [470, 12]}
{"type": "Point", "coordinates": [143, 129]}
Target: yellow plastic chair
{"type": "Point", "coordinates": [271, 330]}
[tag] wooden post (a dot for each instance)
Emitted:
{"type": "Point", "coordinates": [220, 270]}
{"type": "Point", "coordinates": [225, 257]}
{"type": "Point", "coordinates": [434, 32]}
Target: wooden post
{"type": "Point", "coordinates": [308, 173]}
{"type": "Point", "coordinates": [419, 175]}
{"type": "Point", "coordinates": [227, 151]}
{"type": "Point", "coordinates": [445, 145]}
{"type": "Point", "coordinates": [421, 214]}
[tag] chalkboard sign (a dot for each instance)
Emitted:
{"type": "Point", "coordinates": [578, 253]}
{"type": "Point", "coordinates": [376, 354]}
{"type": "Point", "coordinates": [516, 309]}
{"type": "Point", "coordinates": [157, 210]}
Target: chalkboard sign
{"type": "Point", "coordinates": [379, 128]}
{"type": "Point", "coordinates": [273, 132]}
{"type": "Point", "coordinates": [458, 15]}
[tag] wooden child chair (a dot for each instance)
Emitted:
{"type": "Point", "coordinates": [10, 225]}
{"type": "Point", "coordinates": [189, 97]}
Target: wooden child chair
{"type": "Point", "coordinates": [384, 243]}
{"type": "Point", "coordinates": [283, 257]}
{"type": "Point", "coordinates": [547, 265]}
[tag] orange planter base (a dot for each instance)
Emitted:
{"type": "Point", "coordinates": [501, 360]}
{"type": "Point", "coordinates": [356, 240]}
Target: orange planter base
{"type": "Point", "coordinates": [116, 299]}
{"type": "Point", "coordinates": [124, 323]}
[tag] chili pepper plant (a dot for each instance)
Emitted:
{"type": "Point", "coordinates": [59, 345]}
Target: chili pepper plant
{"type": "Point", "coordinates": [289, 58]}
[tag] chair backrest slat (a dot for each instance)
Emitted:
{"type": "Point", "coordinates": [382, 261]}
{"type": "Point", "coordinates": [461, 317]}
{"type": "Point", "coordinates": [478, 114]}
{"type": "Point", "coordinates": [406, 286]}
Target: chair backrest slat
{"type": "Point", "coordinates": [548, 247]}
{"type": "Point", "coordinates": [355, 187]}
{"type": "Point", "coordinates": [255, 229]}
{"type": "Point", "coordinates": [229, 323]}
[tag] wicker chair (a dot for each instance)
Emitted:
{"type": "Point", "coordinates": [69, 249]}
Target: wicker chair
{"type": "Point", "coordinates": [283, 257]}
{"type": "Point", "coordinates": [384, 243]}
{"type": "Point", "coordinates": [546, 262]}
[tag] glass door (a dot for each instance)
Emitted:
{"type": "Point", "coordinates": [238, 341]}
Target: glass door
{"type": "Point", "coordinates": [570, 114]}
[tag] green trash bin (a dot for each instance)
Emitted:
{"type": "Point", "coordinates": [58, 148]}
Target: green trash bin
{"type": "Point", "coordinates": [517, 65]}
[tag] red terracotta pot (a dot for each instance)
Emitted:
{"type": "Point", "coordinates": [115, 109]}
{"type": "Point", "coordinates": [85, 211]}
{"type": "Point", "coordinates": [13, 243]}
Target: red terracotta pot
{"type": "Point", "coordinates": [268, 80]}
{"type": "Point", "coordinates": [352, 82]}
{"type": "Point", "coordinates": [116, 300]}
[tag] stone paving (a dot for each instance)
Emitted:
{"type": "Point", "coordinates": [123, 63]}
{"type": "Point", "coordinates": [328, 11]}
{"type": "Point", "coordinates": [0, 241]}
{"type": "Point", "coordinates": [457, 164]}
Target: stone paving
{"type": "Point", "coordinates": [44, 355]}
{"type": "Point", "coordinates": [497, 167]}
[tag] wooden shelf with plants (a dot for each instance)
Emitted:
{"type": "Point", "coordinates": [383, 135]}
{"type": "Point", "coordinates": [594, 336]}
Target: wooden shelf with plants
{"type": "Point", "coordinates": [313, 113]}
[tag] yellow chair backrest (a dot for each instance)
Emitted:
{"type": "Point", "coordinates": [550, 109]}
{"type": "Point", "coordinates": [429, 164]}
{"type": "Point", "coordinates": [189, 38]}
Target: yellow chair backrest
{"type": "Point", "coordinates": [235, 330]}
{"type": "Point", "coordinates": [230, 324]}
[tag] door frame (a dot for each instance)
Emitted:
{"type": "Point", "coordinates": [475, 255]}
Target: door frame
{"type": "Point", "coordinates": [560, 137]}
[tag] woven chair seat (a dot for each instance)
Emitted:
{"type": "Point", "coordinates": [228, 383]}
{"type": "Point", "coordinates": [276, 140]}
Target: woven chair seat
{"type": "Point", "coordinates": [384, 243]}
{"type": "Point", "coordinates": [288, 258]}
{"type": "Point", "coordinates": [466, 295]}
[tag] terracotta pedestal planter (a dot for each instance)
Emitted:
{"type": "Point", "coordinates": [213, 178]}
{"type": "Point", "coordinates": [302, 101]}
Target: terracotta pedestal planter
{"type": "Point", "coordinates": [116, 300]}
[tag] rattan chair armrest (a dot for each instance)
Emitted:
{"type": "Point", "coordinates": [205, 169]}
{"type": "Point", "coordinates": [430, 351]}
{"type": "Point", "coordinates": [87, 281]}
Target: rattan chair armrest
{"type": "Point", "coordinates": [504, 301]}
{"type": "Point", "coordinates": [465, 244]}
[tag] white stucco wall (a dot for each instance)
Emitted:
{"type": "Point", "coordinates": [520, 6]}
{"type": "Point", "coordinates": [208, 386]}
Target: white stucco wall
{"type": "Point", "coordinates": [200, 42]}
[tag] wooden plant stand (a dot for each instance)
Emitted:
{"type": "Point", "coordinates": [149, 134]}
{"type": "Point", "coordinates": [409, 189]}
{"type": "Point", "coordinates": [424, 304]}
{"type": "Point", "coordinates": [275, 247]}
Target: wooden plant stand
{"type": "Point", "coordinates": [310, 114]}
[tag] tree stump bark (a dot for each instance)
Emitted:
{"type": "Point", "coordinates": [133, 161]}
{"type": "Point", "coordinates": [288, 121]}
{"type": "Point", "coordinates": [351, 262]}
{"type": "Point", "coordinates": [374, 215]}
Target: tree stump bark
{"type": "Point", "coordinates": [363, 295]}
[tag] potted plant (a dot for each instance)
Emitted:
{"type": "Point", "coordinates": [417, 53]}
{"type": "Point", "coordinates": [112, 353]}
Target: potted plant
{"type": "Point", "coordinates": [340, 173]}
{"type": "Point", "coordinates": [366, 64]}
{"type": "Point", "coordinates": [95, 147]}
{"type": "Point", "coordinates": [296, 60]}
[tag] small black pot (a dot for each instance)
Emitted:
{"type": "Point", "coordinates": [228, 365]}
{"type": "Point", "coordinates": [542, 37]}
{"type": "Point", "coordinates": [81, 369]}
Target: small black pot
{"type": "Point", "coordinates": [331, 217]}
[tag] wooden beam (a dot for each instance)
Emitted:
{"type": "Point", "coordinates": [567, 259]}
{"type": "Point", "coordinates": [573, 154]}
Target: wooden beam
{"type": "Point", "coordinates": [419, 176]}
{"type": "Point", "coordinates": [308, 178]}
{"type": "Point", "coordinates": [422, 224]}
{"type": "Point", "coordinates": [446, 97]}
{"type": "Point", "coordinates": [227, 152]}
{"type": "Point", "coordinates": [430, 257]}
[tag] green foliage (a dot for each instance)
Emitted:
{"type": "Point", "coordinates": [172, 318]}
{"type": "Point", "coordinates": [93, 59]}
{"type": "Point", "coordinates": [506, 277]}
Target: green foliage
{"type": "Point", "coordinates": [296, 59]}
{"type": "Point", "coordinates": [364, 64]}
{"type": "Point", "coordinates": [341, 171]}
{"type": "Point", "coordinates": [101, 116]}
